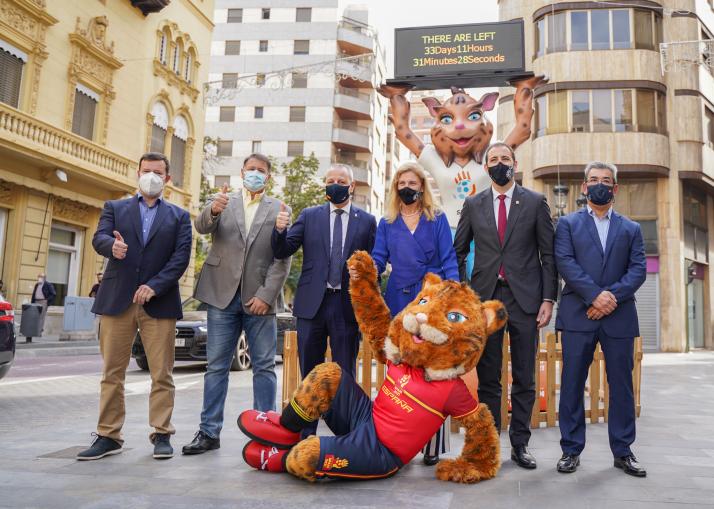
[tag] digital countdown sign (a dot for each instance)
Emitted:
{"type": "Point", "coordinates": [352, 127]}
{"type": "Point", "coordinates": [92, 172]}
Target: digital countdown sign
{"type": "Point", "coordinates": [493, 51]}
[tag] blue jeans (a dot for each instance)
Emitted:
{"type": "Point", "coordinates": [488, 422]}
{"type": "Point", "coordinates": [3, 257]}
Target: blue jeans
{"type": "Point", "coordinates": [224, 329]}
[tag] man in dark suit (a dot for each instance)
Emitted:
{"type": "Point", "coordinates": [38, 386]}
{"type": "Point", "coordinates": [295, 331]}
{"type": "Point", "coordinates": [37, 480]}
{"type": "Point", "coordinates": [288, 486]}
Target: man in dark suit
{"type": "Point", "coordinates": [329, 234]}
{"type": "Point", "coordinates": [601, 257]}
{"type": "Point", "coordinates": [148, 243]}
{"type": "Point", "coordinates": [513, 237]}
{"type": "Point", "coordinates": [44, 294]}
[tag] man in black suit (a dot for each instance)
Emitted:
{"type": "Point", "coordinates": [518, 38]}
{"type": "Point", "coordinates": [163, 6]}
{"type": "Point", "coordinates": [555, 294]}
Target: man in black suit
{"type": "Point", "coordinates": [513, 236]}
{"type": "Point", "coordinates": [148, 243]}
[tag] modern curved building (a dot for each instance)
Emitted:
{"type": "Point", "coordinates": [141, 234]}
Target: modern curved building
{"type": "Point", "coordinates": [608, 100]}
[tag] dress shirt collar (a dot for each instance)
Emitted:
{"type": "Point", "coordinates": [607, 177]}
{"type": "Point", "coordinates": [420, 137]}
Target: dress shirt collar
{"type": "Point", "coordinates": [595, 216]}
{"type": "Point", "coordinates": [247, 198]}
{"type": "Point", "coordinates": [143, 200]}
{"type": "Point", "coordinates": [509, 193]}
{"type": "Point", "coordinates": [346, 208]}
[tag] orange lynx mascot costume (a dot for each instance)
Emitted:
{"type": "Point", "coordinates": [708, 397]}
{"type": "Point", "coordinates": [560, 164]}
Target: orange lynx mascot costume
{"type": "Point", "coordinates": [436, 338]}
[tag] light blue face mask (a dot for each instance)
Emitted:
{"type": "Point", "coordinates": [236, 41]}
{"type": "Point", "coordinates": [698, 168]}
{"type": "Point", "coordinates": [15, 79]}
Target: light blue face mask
{"type": "Point", "coordinates": [254, 180]}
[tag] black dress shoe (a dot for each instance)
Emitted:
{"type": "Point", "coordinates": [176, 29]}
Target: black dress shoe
{"type": "Point", "coordinates": [524, 459]}
{"type": "Point", "coordinates": [631, 466]}
{"type": "Point", "coordinates": [430, 460]}
{"type": "Point", "coordinates": [568, 463]}
{"type": "Point", "coordinates": [201, 443]}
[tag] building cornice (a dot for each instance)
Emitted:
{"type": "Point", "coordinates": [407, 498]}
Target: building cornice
{"type": "Point", "coordinates": [590, 85]}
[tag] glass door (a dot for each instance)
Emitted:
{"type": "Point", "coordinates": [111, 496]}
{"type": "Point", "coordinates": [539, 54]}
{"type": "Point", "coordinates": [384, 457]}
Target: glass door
{"type": "Point", "coordinates": [64, 260]}
{"type": "Point", "coordinates": [695, 307]}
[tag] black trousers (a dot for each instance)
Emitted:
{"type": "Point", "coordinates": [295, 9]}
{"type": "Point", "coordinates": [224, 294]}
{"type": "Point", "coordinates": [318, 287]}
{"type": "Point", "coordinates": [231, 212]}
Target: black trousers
{"type": "Point", "coordinates": [312, 340]}
{"type": "Point", "coordinates": [523, 332]}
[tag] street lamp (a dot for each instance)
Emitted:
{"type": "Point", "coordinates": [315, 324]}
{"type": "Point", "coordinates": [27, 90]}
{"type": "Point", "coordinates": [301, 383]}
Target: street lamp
{"type": "Point", "coordinates": [561, 198]}
{"type": "Point", "coordinates": [581, 201]}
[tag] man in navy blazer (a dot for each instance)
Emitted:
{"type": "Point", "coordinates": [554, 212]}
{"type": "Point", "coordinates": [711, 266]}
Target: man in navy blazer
{"type": "Point", "coordinates": [600, 255]}
{"type": "Point", "coordinates": [148, 243]}
{"type": "Point", "coordinates": [328, 234]}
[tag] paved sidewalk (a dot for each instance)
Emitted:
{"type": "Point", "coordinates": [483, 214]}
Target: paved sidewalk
{"type": "Point", "coordinates": [52, 346]}
{"type": "Point", "coordinates": [43, 423]}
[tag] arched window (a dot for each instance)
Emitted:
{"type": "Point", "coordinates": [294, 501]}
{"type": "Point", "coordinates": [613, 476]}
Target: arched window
{"type": "Point", "coordinates": [178, 150]}
{"type": "Point", "coordinates": [164, 45]}
{"type": "Point", "coordinates": [176, 66]}
{"type": "Point", "coordinates": [188, 71]}
{"type": "Point", "coordinates": [159, 127]}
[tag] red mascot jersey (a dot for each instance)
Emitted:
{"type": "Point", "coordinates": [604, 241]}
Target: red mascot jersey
{"type": "Point", "coordinates": [408, 410]}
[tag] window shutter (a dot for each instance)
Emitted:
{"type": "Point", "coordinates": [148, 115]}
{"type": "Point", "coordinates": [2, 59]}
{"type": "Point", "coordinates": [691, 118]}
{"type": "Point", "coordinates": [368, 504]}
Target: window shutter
{"type": "Point", "coordinates": [178, 151]}
{"type": "Point", "coordinates": [158, 139]}
{"type": "Point", "coordinates": [85, 108]}
{"type": "Point", "coordinates": [10, 78]}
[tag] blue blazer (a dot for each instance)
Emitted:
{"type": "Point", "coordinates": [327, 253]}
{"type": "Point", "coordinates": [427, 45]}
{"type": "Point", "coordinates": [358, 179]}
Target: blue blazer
{"type": "Point", "coordinates": [159, 264]}
{"type": "Point", "coordinates": [429, 249]}
{"type": "Point", "coordinates": [311, 230]}
{"type": "Point", "coordinates": [587, 271]}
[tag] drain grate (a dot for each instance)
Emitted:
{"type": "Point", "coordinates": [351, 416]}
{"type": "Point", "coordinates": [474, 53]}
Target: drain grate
{"type": "Point", "coordinates": [69, 452]}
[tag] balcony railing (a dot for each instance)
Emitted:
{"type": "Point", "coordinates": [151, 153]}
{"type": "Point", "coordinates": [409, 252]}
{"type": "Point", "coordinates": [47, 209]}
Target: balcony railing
{"type": "Point", "coordinates": [19, 130]}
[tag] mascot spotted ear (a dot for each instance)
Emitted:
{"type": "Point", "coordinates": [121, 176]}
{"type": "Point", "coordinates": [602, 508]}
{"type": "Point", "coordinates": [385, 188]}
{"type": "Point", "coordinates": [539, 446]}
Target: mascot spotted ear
{"type": "Point", "coordinates": [437, 337]}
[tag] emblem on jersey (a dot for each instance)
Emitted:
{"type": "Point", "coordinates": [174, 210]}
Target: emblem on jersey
{"type": "Point", "coordinates": [331, 461]}
{"type": "Point", "coordinates": [464, 187]}
{"type": "Point", "coordinates": [404, 380]}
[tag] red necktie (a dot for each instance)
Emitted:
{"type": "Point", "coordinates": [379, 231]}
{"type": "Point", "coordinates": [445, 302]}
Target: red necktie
{"type": "Point", "coordinates": [502, 228]}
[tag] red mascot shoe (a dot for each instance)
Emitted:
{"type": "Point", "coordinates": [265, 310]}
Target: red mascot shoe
{"type": "Point", "coordinates": [264, 457]}
{"type": "Point", "coordinates": [265, 427]}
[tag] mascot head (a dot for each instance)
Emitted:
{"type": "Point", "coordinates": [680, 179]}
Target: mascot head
{"type": "Point", "coordinates": [444, 330]}
{"type": "Point", "coordinates": [460, 127]}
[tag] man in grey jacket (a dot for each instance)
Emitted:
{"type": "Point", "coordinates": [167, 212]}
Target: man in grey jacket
{"type": "Point", "coordinates": [240, 281]}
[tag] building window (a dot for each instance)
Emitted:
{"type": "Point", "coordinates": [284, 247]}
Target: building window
{"type": "Point", "coordinates": [256, 147]}
{"type": "Point", "coordinates": [709, 127]}
{"type": "Point", "coordinates": [225, 148]}
{"type": "Point", "coordinates": [597, 29]}
{"type": "Point", "coordinates": [295, 148]}
{"type": "Point", "coordinates": [176, 66]}
{"type": "Point", "coordinates": [228, 114]}
{"type": "Point", "coordinates": [188, 66]}
{"type": "Point", "coordinates": [301, 47]}
{"type": "Point", "coordinates": [159, 127]}
{"type": "Point", "coordinates": [303, 14]}
{"type": "Point", "coordinates": [260, 79]}
{"type": "Point", "coordinates": [12, 62]}
{"type": "Point", "coordinates": [600, 110]}
{"type": "Point", "coordinates": [220, 180]}
{"type": "Point", "coordinates": [297, 113]}
{"type": "Point", "coordinates": [235, 15]}
{"type": "Point", "coordinates": [696, 230]}
{"type": "Point", "coordinates": [258, 112]}
{"type": "Point", "coordinates": [64, 260]}
{"type": "Point", "coordinates": [85, 110]}
{"type": "Point", "coordinates": [265, 13]}
{"type": "Point", "coordinates": [232, 48]}
{"type": "Point", "coordinates": [299, 80]}
{"type": "Point", "coordinates": [163, 45]}
{"type": "Point", "coordinates": [263, 46]}
{"type": "Point", "coordinates": [230, 80]}
{"type": "Point", "coordinates": [178, 150]}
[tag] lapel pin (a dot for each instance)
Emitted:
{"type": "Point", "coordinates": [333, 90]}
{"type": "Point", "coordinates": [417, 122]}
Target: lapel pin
{"type": "Point", "coordinates": [517, 202]}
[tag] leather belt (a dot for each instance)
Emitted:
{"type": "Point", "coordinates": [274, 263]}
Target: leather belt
{"type": "Point", "coordinates": [333, 290]}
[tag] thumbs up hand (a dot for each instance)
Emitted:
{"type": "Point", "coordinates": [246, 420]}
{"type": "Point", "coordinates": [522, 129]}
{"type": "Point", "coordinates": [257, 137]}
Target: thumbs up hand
{"type": "Point", "coordinates": [283, 219]}
{"type": "Point", "coordinates": [220, 202]}
{"type": "Point", "coordinates": [119, 247]}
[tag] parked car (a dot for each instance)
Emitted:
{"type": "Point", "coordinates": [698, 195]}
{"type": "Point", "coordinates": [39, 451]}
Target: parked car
{"type": "Point", "coordinates": [192, 333]}
{"type": "Point", "coordinates": [7, 336]}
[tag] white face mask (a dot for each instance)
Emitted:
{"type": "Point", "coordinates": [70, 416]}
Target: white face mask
{"type": "Point", "coordinates": [151, 184]}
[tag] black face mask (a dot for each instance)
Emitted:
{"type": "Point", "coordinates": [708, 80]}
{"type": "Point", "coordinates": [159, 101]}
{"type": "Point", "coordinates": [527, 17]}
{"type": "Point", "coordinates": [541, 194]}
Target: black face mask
{"type": "Point", "coordinates": [408, 195]}
{"type": "Point", "coordinates": [600, 194]}
{"type": "Point", "coordinates": [337, 193]}
{"type": "Point", "coordinates": [501, 174]}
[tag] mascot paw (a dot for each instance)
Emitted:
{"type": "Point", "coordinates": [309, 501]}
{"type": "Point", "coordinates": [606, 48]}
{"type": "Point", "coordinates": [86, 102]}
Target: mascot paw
{"type": "Point", "coordinates": [459, 470]}
{"type": "Point", "coordinates": [362, 263]}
